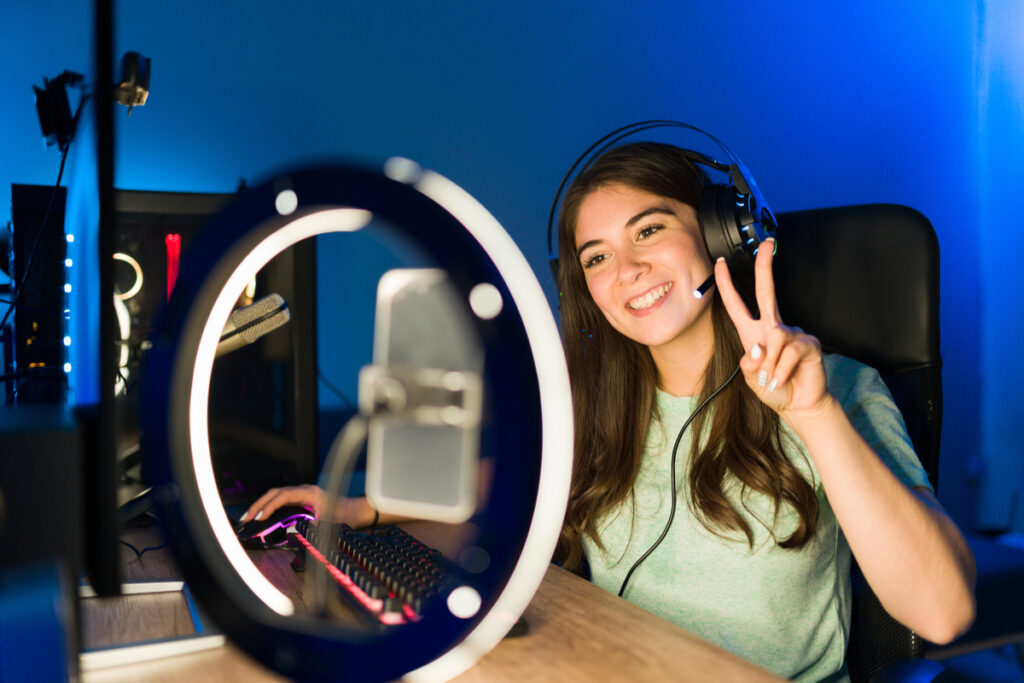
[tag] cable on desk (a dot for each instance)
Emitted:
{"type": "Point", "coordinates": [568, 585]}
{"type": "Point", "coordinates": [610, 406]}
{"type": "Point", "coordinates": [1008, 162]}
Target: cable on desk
{"type": "Point", "coordinates": [140, 553]}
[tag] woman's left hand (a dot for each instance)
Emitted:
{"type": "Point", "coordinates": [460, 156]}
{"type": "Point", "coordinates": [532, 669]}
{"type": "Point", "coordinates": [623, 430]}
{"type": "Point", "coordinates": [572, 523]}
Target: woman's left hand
{"type": "Point", "coordinates": [782, 365]}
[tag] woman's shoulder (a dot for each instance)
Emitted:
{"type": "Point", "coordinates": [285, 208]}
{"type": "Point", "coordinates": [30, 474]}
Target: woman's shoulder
{"type": "Point", "coordinates": [849, 379]}
{"type": "Point", "coordinates": [837, 362]}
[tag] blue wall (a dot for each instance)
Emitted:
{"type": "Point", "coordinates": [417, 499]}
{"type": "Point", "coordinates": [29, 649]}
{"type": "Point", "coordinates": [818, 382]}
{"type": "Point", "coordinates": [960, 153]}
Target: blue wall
{"type": "Point", "coordinates": [827, 104]}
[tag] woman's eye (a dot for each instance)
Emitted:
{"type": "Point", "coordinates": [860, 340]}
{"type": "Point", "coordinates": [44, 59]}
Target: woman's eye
{"type": "Point", "coordinates": [648, 230]}
{"type": "Point", "coordinates": [593, 260]}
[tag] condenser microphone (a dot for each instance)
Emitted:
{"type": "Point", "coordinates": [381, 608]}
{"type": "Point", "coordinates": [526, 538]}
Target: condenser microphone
{"type": "Point", "coordinates": [248, 323]}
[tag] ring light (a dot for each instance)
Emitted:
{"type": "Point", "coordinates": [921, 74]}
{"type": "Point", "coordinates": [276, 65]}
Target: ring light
{"type": "Point", "coordinates": [529, 389]}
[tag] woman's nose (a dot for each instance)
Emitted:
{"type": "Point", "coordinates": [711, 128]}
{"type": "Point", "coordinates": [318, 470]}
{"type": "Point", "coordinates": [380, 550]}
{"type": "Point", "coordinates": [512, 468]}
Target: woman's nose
{"type": "Point", "coordinates": [632, 265]}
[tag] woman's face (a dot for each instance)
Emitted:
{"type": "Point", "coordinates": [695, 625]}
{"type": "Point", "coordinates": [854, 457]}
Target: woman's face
{"type": "Point", "coordinates": [642, 256]}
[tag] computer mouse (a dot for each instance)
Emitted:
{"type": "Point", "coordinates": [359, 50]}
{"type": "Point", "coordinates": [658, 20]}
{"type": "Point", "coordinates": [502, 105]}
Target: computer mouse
{"type": "Point", "coordinates": [272, 530]}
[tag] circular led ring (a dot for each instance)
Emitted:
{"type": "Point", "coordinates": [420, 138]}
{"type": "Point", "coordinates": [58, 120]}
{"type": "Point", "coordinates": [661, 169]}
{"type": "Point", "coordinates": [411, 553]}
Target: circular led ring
{"type": "Point", "coordinates": [206, 291]}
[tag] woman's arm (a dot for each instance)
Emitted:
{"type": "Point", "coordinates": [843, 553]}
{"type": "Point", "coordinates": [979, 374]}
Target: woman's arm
{"type": "Point", "coordinates": [356, 512]}
{"type": "Point", "coordinates": [910, 551]}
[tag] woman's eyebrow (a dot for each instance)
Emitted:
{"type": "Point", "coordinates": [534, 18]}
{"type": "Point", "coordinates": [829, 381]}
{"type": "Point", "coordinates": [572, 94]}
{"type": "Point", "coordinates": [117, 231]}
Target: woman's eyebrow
{"type": "Point", "coordinates": [631, 222]}
{"type": "Point", "coordinates": [584, 246]}
{"type": "Point", "coordinates": [647, 212]}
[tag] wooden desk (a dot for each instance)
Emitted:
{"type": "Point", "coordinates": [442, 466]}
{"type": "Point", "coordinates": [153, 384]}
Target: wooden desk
{"type": "Point", "coordinates": [577, 632]}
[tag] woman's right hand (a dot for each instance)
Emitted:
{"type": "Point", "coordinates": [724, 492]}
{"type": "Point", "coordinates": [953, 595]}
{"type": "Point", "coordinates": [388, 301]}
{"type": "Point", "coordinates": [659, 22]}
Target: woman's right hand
{"type": "Point", "coordinates": [353, 511]}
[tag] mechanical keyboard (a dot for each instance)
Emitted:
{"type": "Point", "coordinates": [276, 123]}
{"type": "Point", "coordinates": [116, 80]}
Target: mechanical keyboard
{"type": "Point", "coordinates": [387, 573]}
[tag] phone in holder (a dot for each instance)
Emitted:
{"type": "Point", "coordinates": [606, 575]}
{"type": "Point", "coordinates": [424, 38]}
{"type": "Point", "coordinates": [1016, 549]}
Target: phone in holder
{"type": "Point", "coordinates": [423, 397]}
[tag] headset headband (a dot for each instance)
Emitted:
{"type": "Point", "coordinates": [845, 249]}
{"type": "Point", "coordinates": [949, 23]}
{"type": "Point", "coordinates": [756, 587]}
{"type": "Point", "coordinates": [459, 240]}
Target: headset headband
{"type": "Point", "coordinates": [740, 177]}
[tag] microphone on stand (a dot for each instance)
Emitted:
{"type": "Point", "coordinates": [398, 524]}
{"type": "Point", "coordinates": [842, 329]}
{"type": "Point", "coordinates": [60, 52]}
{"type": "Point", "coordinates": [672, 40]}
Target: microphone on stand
{"type": "Point", "coordinates": [247, 324]}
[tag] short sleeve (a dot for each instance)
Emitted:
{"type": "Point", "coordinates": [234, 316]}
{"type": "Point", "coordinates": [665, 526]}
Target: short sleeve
{"type": "Point", "coordinates": [873, 413]}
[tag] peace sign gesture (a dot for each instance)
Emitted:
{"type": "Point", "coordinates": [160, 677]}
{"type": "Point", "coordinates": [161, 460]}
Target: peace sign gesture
{"type": "Point", "coordinates": [782, 365]}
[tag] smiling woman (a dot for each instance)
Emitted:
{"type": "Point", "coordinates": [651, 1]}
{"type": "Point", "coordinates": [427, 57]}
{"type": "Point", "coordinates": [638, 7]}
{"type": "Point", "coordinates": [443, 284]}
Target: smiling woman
{"type": "Point", "coordinates": [781, 474]}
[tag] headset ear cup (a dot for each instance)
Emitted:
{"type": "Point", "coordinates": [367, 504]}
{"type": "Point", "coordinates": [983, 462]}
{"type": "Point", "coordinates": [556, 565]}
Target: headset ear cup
{"type": "Point", "coordinates": [720, 212]}
{"type": "Point", "coordinates": [713, 222]}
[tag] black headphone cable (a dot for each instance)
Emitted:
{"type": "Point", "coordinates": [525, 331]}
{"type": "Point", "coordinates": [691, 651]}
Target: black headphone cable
{"type": "Point", "coordinates": [672, 474]}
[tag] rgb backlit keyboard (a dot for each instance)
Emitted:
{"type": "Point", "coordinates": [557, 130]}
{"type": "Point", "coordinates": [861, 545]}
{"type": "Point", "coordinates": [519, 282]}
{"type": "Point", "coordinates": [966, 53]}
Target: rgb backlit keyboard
{"type": "Point", "coordinates": [387, 572]}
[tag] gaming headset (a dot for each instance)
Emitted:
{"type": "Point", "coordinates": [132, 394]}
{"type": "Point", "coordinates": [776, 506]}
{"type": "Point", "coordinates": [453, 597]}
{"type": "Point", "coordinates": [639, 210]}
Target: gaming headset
{"type": "Point", "coordinates": [734, 218]}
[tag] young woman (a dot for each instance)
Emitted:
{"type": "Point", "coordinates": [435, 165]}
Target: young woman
{"type": "Point", "coordinates": [790, 467]}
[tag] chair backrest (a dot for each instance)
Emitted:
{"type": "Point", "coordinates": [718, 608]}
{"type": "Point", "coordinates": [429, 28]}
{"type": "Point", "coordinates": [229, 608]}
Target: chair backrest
{"type": "Point", "coordinates": [865, 280]}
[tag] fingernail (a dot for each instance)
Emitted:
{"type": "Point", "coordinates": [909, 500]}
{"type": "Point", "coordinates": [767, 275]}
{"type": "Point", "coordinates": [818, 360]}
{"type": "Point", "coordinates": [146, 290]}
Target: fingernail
{"type": "Point", "coordinates": [245, 516]}
{"type": "Point", "coordinates": [719, 259]}
{"type": "Point", "coordinates": [773, 384]}
{"type": "Point", "coordinates": [259, 516]}
{"type": "Point", "coordinates": [762, 379]}
{"type": "Point", "coordinates": [755, 351]}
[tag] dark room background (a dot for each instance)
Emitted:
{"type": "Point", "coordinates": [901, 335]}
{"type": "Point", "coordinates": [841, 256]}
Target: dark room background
{"type": "Point", "coordinates": [828, 103]}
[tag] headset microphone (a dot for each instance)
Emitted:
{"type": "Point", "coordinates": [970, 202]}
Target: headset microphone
{"type": "Point", "coordinates": [734, 218]}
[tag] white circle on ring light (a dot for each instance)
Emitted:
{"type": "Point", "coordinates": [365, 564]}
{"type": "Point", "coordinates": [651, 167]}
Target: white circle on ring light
{"type": "Point", "coordinates": [464, 602]}
{"type": "Point", "coordinates": [556, 437]}
{"type": "Point", "coordinates": [309, 225]}
{"type": "Point", "coordinates": [286, 202]}
{"type": "Point", "coordinates": [485, 300]}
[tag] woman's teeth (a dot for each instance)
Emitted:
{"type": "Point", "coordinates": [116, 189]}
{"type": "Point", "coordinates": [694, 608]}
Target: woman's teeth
{"type": "Point", "coordinates": [649, 298]}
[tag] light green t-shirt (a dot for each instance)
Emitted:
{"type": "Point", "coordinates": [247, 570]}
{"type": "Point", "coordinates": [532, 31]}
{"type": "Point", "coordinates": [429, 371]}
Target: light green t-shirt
{"type": "Point", "coordinates": [786, 610]}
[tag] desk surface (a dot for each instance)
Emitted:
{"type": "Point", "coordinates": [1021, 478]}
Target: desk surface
{"type": "Point", "coordinates": [577, 632]}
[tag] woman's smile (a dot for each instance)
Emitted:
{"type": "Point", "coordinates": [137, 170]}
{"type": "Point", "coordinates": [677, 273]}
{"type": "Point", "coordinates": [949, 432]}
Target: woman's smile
{"type": "Point", "coordinates": [645, 303]}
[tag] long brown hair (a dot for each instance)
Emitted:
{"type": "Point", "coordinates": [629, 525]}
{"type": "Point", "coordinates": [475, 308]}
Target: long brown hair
{"type": "Point", "coordinates": [614, 382]}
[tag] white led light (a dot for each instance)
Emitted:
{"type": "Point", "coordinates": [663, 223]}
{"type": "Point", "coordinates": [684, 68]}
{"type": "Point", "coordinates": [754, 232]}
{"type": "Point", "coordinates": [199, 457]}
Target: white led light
{"type": "Point", "coordinates": [70, 237]}
{"type": "Point", "coordinates": [67, 287]}
{"type": "Point", "coordinates": [464, 602]}
{"type": "Point", "coordinates": [485, 300]}
{"type": "Point", "coordinates": [67, 367]}
{"type": "Point", "coordinates": [286, 202]}
{"type": "Point", "coordinates": [328, 220]}
{"type": "Point", "coordinates": [137, 285]}
{"type": "Point", "coordinates": [124, 326]}
{"type": "Point", "coordinates": [67, 341]}
{"type": "Point", "coordinates": [68, 263]}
